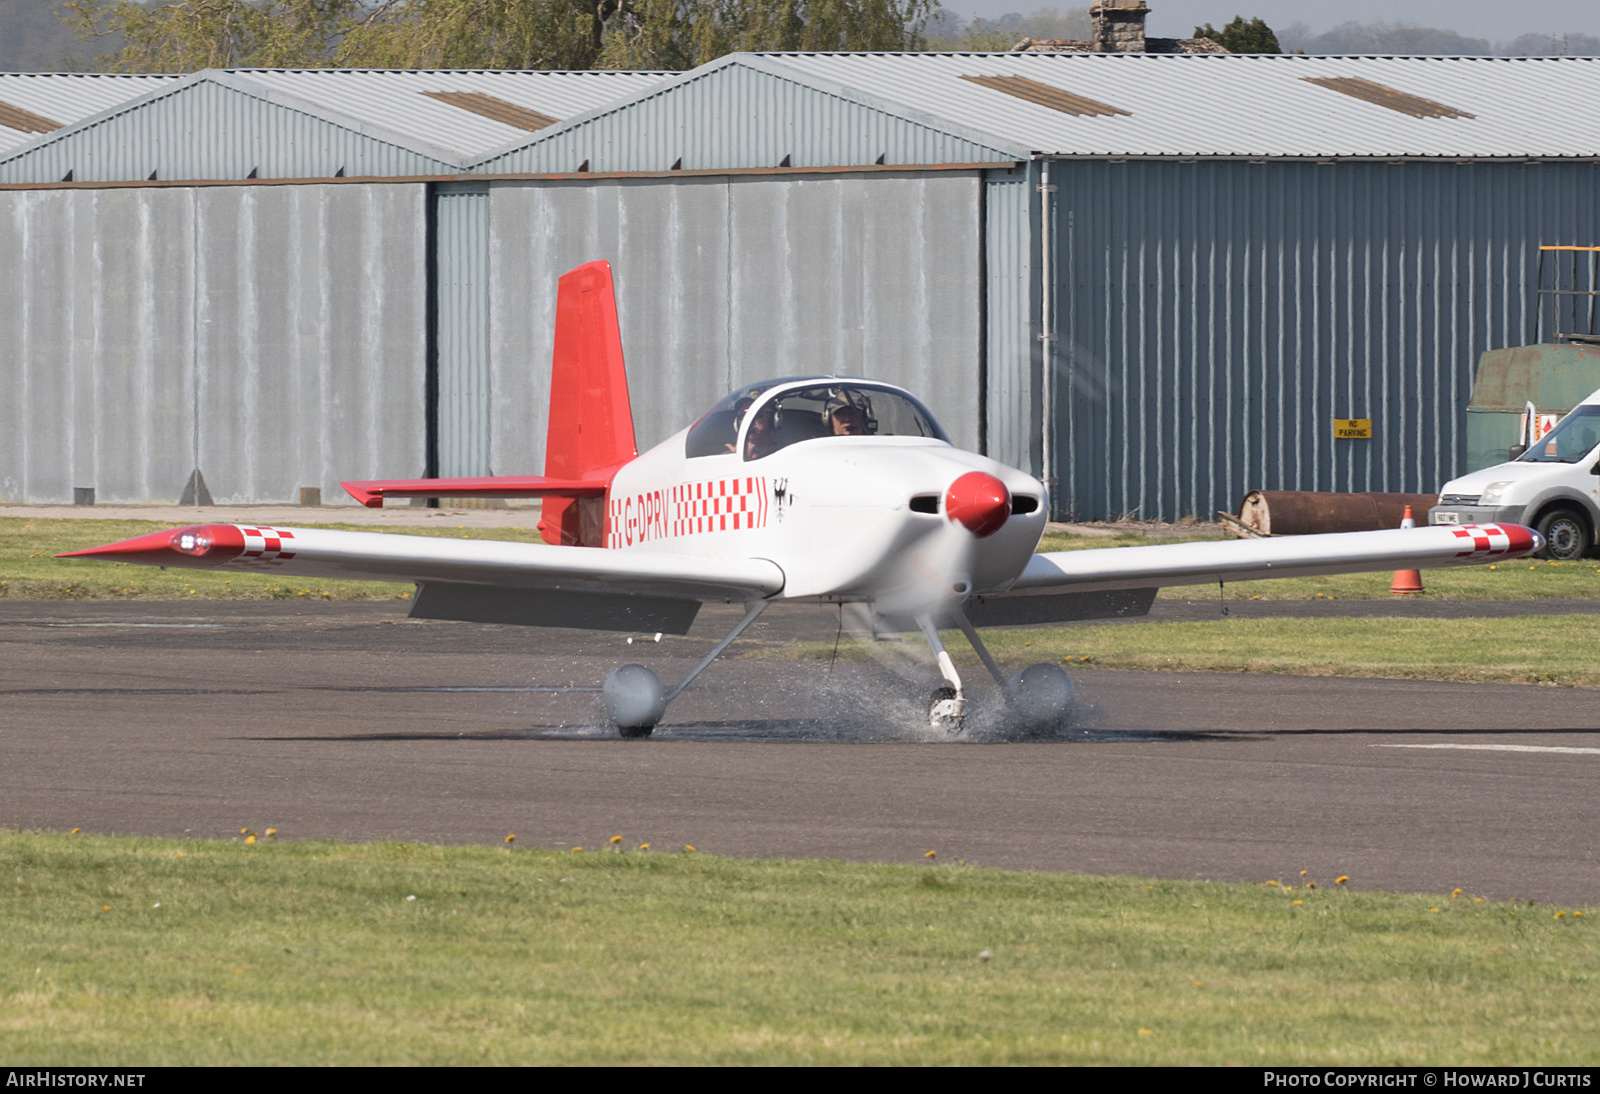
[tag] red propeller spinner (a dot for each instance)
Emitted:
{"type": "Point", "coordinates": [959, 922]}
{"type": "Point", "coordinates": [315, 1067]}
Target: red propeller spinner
{"type": "Point", "coordinates": [978, 501]}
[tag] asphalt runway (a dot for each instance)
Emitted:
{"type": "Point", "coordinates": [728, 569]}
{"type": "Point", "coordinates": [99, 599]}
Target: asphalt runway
{"type": "Point", "coordinates": [349, 721]}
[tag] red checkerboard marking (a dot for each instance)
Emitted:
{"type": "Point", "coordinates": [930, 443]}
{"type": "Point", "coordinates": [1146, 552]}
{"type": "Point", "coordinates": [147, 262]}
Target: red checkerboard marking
{"type": "Point", "coordinates": [712, 505]}
{"type": "Point", "coordinates": [264, 546]}
{"type": "Point", "coordinates": [1485, 539]}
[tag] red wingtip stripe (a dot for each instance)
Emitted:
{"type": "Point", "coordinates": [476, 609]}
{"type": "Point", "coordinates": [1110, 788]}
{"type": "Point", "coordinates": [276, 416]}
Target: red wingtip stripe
{"type": "Point", "coordinates": [212, 543]}
{"type": "Point", "coordinates": [1521, 538]}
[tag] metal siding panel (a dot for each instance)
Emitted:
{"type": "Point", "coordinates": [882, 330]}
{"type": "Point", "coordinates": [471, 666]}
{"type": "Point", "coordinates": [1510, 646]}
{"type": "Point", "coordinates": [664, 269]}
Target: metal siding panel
{"type": "Point", "coordinates": [463, 280]}
{"type": "Point", "coordinates": [1012, 325]}
{"type": "Point", "coordinates": [724, 281]}
{"type": "Point", "coordinates": [1237, 308]}
{"type": "Point", "coordinates": [98, 345]}
{"type": "Point", "coordinates": [311, 359]}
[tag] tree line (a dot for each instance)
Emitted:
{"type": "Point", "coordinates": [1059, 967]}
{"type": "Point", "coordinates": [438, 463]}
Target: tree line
{"type": "Point", "coordinates": [184, 35]}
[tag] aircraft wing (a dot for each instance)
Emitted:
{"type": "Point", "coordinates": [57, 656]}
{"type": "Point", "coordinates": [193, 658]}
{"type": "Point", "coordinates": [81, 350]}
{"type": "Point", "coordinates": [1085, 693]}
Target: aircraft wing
{"type": "Point", "coordinates": [1062, 586]}
{"type": "Point", "coordinates": [487, 581]}
{"type": "Point", "coordinates": [1207, 563]}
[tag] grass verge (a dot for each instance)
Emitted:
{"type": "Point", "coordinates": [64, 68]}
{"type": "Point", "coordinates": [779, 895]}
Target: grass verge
{"type": "Point", "coordinates": [124, 951]}
{"type": "Point", "coordinates": [1551, 650]}
{"type": "Point", "coordinates": [29, 569]}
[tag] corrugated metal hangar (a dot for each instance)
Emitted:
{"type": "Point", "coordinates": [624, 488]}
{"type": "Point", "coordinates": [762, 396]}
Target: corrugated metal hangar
{"type": "Point", "coordinates": [1154, 278]}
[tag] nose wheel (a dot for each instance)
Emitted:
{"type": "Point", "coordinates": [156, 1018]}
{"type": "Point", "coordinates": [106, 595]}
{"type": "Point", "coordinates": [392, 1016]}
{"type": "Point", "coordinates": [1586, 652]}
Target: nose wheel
{"type": "Point", "coordinates": [947, 710]}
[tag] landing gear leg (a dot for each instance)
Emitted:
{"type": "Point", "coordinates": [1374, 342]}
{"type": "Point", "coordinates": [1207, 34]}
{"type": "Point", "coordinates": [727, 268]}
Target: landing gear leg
{"type": "Point", "coordinates": [1040, 697]}
{"type": "Point", "coordinates": [982, 651]}
{"type": "Point", "coordinates": [634, 697]}
{"type": "Point", "coordinates": [948, 706]}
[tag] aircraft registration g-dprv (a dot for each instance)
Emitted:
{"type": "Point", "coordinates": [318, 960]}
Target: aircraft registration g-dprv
{"type": "Point", "coordinates": [815, 488]}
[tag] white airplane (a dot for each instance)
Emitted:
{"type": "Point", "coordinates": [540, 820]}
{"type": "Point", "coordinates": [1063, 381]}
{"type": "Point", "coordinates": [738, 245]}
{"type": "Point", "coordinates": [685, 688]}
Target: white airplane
{"type": "Point", "coordinates": [815, 488]}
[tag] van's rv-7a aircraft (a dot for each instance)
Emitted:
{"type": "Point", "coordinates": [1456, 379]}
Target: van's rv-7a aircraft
{"type": "Point", "coordinates": [817, 488]}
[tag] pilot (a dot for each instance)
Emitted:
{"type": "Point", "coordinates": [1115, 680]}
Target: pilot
{"type": "Point", "coordinates": [759, 439]}
{"type": "Point", "coordinates": [844, 417]}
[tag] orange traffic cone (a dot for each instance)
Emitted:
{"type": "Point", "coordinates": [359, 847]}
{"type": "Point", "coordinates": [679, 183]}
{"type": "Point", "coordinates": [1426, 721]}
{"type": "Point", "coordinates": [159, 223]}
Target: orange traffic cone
{"type": "Point", "coordinates": [1407, 581]}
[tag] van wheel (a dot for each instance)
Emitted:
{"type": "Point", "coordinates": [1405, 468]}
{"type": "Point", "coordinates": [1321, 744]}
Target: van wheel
{"type": "Point", "coordinates": [1566, 535]}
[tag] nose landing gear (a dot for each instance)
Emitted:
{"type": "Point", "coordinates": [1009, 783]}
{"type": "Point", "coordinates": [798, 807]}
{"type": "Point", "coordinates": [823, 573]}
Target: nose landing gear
{"type": "Point", "coordinates": [1038, 699]}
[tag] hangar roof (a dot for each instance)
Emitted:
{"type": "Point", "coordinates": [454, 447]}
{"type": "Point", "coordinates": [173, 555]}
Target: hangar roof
{"type": "Point", "coordinates": [41, 102]}
{"type": "Point", "coordinates": [1112, 105]}
{"type": "Point", "coordinates": [1250, 105]}
{"type": "Point", "coordinates": [305, 123]}
{"type": "Point", "coordinates": [793, 109]}
{"type": "Point", "coordinates": [461, 112]}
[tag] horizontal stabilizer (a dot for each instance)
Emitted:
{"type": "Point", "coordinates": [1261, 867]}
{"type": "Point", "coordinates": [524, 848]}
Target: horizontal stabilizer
{"type": "Point", "coordinates": [372, 494]}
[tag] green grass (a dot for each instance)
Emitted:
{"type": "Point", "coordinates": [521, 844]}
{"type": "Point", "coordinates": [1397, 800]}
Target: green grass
{"type": "Point", "coordinates": [1550, 650]}
{"type": "Point", "coordinates": [311, 953]}
{"type": "Point", "coordinates": [29, 569]}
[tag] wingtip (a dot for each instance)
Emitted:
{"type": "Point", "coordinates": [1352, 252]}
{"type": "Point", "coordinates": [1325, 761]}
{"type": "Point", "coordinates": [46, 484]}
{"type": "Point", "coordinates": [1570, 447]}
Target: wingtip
{"type": "Point", "coordinates": [365, 493]}
{"type": "Point", "coordinates": [171, 547]}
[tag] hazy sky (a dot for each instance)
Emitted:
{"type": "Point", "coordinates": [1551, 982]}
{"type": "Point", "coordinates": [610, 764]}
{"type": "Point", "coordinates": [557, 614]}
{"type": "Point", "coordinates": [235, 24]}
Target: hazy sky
{"type": "Point", "coordinates": [1496, 20]}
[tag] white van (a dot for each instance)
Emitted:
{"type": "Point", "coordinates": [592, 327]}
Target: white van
{"type": "Point", "coordinates": [1554, 486]}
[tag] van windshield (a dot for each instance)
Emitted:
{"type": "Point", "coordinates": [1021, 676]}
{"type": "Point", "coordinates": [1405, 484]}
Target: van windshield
{"type": "Point", "coordinates": [1573, 438]}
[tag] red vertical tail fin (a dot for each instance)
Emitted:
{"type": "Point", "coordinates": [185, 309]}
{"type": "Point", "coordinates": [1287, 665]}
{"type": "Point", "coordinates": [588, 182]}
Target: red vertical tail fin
{"type": "Point", "coordinates": [591, 419]}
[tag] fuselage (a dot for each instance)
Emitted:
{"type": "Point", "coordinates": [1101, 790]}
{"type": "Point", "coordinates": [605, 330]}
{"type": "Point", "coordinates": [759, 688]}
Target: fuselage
{"type": "Point", "coordinates": [859, 517]}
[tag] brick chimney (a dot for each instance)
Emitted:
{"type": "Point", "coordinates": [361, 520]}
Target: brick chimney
{"type": "Point", "coordinates": [1117, 26]}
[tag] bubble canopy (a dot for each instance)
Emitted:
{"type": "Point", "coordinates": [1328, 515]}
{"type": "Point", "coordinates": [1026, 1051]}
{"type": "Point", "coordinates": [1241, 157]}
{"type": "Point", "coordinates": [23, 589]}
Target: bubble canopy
{"type": "Point", "coordinates": [761, 418]}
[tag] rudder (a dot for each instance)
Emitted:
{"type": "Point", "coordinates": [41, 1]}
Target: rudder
{"type": "Point", "coordinates": [591, 419]}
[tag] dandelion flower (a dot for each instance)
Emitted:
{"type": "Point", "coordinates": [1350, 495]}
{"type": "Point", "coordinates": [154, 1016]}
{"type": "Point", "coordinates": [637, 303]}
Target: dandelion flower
{"type": "Point", "coordinates": [250, 839]}
{"type": "Point", "coordinates": [1454, 893]}
{"type": "Point", "coordinates": [75, 831]}
{"type": "Point", "coordinates": [689, 847]}
{"type": "Point", "coordinates": [929, 854]}
{"type": "Point", "coordinates": [272, 831]}
{"type": "Point", "coordinates": [1341, 879]}
{"type": "Point", "coordinates": [1144, 1033]}
{"type": "Point", "coordinates": [1558, 915]}
{"type": "Point", "coordinates": [1311, 885]}
{"type": "Point", "coordinates": [1302, 873]}
{"type": "Point", "coordinates": [616, 839]}
{"type": "Point", "coordinates": [511, 839]}
{"type": "Point", "coordinates": [105, 907]}
{"type": "Point", "coordinates": [577, 848]}
{"type": "Point", "coordinates": [1297, 902]}
{"type": "Point", "coordinates": [1433, 909]}
{"type": "Point", "coordinates": [644, 847]}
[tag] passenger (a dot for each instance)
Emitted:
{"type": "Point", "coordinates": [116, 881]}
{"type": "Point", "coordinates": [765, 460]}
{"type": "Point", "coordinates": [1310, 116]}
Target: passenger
{"type": "Point", "coordinates": [762, 434]}
{"type": "Point", "coordinates": [740, 408]}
